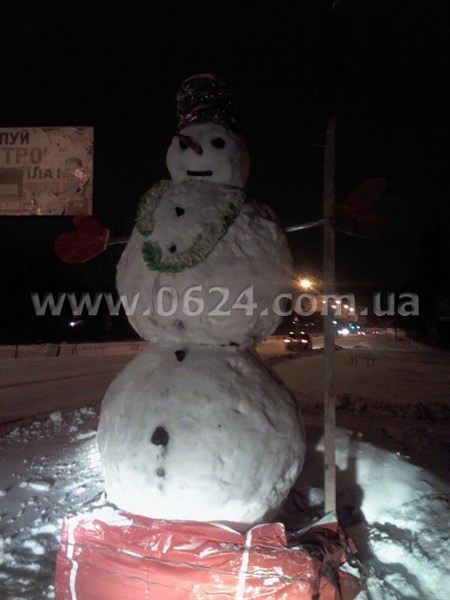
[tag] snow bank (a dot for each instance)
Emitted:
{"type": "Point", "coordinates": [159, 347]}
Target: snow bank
{"type": "Point", "coordinates": [395, 511]}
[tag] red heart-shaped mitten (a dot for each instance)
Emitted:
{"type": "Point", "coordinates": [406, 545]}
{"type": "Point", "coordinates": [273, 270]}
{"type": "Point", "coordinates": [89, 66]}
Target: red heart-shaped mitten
{"type": "Point", "coordinates": [362, 213]}
{"type": "Point", "coordinates": [87, 241]}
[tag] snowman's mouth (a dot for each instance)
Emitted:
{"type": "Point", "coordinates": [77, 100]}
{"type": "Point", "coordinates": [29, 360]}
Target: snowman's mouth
{"type": "Point", "coordinates": [200, 173]}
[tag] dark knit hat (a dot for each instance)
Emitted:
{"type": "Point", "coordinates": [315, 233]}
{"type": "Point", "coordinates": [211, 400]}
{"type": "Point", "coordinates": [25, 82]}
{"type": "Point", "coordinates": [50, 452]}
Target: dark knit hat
{"type": "Point", "coordinates": [206, 98]}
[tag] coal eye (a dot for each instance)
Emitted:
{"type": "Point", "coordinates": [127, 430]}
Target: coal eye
{"type": "Point", "coordinates": [183, 146]}
{"type": "Point", "coordinates": [218, 142]}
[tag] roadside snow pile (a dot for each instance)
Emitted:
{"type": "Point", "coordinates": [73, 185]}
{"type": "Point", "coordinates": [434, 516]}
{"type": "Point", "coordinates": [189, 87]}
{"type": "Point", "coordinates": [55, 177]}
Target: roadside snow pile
{"type": "Point", "coordinates": [424, 411]}
{"type": "Point", "coordinates": [49, 469]}
{"type": "Point", "coordinates": [396, 513]}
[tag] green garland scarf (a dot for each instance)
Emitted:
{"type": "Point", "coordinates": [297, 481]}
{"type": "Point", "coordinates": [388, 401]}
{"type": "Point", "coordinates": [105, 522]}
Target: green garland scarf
{"type": "Point", "coordinates": [202, 246]}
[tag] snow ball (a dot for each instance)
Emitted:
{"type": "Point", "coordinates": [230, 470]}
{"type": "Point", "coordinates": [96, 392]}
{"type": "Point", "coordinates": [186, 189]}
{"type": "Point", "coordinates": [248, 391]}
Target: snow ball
{"type": "Point", "coordinates": [86, 435]}
{"type": "Point", "coordinates": [198, 439]}
{"type": "Point", "coordinates": [87, 411]}
{"type": "Point", "coordinates": [56, 417]}
{"type": "Point", "coordinates": [40, 485]}
{"type": "Point", "coordinates": [315, 496]}
{"type": "Point", "coordinates": [248, 269]}
{"type": "Point", "coordinates": [34, 546]}
{"type": "Point", "coordinates": [53, 528]}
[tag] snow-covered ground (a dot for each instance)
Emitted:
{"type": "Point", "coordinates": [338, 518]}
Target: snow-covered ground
{"type": "Point", "coordinates": [392, 456]}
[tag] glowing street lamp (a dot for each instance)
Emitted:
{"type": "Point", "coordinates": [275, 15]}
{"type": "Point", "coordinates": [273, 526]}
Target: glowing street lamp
{"type": "Point", "coordinates": [306, 283]}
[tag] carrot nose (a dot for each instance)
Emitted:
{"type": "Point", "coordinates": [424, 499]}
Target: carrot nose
{"type": "Point", "coordinates": [190, 143]}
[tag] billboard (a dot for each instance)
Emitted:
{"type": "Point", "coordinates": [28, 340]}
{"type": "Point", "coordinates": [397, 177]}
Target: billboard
{"type": "Point", "coordinates": [46, 170]}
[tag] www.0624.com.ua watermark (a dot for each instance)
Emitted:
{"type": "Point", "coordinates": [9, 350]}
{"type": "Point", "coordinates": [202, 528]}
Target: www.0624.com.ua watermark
{"type": "Point", "coordinates": [217, 301]}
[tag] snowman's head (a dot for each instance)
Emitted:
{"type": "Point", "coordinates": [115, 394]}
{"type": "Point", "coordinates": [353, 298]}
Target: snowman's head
{"type": "Point", "coordinates": [209, 152]}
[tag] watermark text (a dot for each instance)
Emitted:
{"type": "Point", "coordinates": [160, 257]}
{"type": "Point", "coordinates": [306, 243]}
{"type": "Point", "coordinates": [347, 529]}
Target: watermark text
{"type": "Point", "coordinates": [217, 301]}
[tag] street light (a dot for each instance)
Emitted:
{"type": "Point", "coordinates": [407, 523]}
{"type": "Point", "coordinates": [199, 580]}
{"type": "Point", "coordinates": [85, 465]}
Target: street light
{"type": "Point", "coordinates": [307, 283]}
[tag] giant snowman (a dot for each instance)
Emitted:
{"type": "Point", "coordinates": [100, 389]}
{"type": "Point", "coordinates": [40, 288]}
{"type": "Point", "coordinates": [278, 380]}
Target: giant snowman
{"type": "Point", "coordinates": [196, 427]}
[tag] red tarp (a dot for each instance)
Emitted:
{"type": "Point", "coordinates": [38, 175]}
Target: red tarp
{"type": "Point", "coordinates": [119, 556]}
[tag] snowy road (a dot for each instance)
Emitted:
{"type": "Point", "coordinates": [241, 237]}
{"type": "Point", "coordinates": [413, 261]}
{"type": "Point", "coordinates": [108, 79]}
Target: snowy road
{"type": "Point", "coordinates": [394, 391]}
{"type": "Point", "coordinates": [36, 384]}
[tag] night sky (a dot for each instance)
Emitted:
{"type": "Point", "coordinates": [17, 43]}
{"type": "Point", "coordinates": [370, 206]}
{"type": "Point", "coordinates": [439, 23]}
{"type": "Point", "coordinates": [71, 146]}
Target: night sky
{"type": "Point", "coordinates": [379, 66]}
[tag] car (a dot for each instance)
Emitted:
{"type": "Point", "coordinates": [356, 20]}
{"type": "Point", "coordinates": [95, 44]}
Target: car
{"type": "Point", "coordinates": [342, 331]}
{"type": "Point", "coordinates": [297, 341]}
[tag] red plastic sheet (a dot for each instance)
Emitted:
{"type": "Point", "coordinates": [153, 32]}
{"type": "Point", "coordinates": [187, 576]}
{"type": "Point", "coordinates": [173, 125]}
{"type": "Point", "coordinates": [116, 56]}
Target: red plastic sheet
{"type": "Point", "coordinates": [127, 557]}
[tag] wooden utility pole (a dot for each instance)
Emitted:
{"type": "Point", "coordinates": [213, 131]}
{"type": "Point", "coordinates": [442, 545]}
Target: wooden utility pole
{"type": "Point", "coordinates": [329, 329]}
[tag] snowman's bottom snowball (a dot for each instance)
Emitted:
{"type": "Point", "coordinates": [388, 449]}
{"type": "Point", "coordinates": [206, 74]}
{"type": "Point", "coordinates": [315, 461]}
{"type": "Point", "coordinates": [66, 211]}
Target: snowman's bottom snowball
{"type": "Point", "coordinates": [199, 433]}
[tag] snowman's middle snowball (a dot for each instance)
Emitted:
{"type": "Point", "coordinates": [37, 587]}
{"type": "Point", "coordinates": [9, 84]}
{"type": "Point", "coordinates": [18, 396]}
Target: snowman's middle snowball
{"type": "Point", "coordinates": [248, 267]}
{"type": "Point", "coordinates": [214, 437]}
